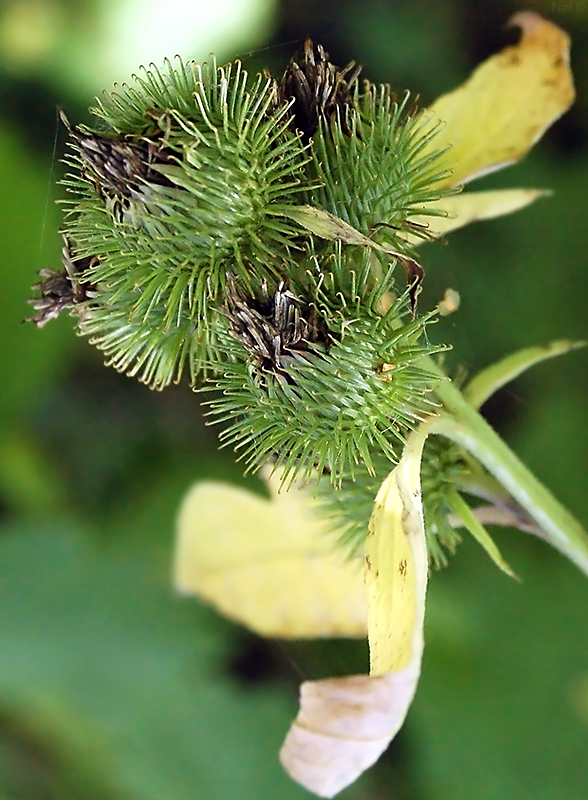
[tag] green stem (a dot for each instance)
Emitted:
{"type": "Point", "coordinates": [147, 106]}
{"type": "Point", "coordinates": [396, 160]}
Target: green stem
{"type": "Point", "coordinates": [469, 429]}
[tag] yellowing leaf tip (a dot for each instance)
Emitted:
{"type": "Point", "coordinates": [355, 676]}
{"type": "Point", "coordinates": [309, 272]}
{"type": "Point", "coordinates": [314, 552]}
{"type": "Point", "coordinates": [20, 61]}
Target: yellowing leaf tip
{"type": "Point", "coordinates": [505, 106]}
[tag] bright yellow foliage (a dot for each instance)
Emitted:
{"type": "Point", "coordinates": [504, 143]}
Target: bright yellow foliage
{"type": "Point", "coordinates": [463, 209]}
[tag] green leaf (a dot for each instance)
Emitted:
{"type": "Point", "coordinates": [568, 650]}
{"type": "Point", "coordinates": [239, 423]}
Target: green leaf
{"type": "Point", "coordinates": [478, 531]}
{"type": "Point", "coordinates": [494, 377]}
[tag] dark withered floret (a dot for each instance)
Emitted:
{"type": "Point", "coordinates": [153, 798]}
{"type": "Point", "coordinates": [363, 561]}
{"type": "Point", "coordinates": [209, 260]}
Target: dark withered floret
{"type": "Point", "coordinates": [319, 88]}
{"type": "Point", "coordinates": [274, 328]}
{"type": "Point", "coordinates": [117, 166]}
{"type": "Point", "coordinates": [61, 288]}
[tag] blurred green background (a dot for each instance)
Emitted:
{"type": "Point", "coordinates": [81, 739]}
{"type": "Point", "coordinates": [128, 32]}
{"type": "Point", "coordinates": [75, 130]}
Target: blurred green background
{"type": "Point", "coordinates": [110, 686]}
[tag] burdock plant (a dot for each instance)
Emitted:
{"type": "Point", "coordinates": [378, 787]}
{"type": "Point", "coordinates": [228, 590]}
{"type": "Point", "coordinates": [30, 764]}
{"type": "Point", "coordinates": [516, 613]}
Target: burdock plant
{"type": "Point", "coordinates": [259, 239]}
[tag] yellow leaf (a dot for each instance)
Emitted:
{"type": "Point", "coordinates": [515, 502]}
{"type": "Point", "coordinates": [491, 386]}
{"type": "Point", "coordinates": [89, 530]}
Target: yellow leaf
{"type": "Point", "coordinates": [396, 567]}
{"type": "Point", "coordinates": [272, 565]}
{"type": "Point", "coordinates": [345, 724]}
{"type": "Point", "coordinates": [509, 101]}
{"type": "Point", "coordinates": [461, 209]}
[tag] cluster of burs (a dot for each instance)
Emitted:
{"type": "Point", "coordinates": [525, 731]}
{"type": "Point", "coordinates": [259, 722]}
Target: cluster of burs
{"type": "Point", "coordinates": [183, 255]}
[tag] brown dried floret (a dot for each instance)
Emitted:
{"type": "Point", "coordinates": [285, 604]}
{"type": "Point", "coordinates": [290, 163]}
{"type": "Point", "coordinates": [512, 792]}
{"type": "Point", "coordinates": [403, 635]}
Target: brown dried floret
{"type": "Point", "coordinates": [320, 89]}
{"type": "Point", "coordinates": [61, 288]}
{"type": "Point", "coordinates": [118, 166]}
{"type": "Point", "coordinates": [274, 328]}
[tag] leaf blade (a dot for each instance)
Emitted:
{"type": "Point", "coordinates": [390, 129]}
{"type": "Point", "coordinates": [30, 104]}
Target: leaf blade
{"type": "Point", "coordinates": [271, 565]}
{"type": "Point", "coordinates": [345, 724]}
{"type": "Point", "coordinates": [497, 375]}
{"type": "Point", "coordinates": [495, 117]}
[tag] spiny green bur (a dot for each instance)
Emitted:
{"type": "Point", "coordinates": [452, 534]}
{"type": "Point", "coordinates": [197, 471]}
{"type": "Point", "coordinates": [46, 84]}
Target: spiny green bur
{"type": "Point", "coordinates": [245, 234]}
{"type": "Point", "coordinates": [163, 263]}
{"type": "Point", "coordinates": [223, 163]}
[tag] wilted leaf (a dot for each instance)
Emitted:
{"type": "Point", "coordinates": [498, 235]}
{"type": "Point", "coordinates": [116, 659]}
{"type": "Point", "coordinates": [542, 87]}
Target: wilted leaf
{"type": "Point", "coordinates": [343, 727]}
{"type": "Point", "coordinates": [396, 569]}
{"type": "Point", "coordinates": [272, 565]}
{"type": "Point", "coordinates": [345, 724]}
{"type": "Point", "coordinates": [498, 114]}
{"type": "Point", "coordinates": [328, 226]}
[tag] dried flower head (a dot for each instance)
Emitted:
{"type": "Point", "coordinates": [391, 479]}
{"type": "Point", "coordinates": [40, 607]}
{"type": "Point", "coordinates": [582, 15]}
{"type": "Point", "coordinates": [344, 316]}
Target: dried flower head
{"type": "Point", "coordinates": [320, 90]}
{"type": "Point", "coordinates": [273, 328]}
{"type": "Point", "coordinates": [63, 288]}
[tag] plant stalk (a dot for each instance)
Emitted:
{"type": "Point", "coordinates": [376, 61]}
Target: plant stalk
{"type": "Point", "coordinates": [469, 429]}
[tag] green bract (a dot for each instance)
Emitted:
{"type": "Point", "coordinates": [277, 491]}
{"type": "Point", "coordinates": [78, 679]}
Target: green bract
{"type": "Point", "coordinates": [373, 166]}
